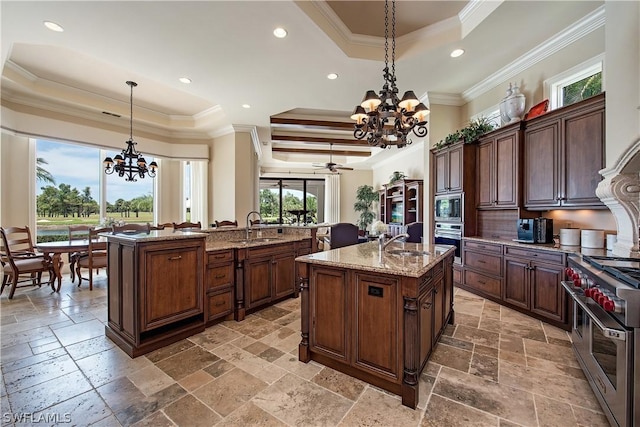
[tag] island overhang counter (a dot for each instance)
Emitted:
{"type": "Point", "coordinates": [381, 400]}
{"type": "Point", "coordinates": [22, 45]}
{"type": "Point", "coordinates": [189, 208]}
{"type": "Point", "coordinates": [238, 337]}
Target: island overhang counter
{"type": "Point", "coordinates": [374, 314]}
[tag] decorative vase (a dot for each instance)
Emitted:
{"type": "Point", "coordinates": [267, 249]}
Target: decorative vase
{"type": "Point", "coordinates": [512, 105]}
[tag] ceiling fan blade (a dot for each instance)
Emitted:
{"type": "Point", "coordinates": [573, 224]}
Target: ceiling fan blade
{"type": "Point", "coordinates": [344, 168]}
{"type": "Point", "coordinates": [319, 165]}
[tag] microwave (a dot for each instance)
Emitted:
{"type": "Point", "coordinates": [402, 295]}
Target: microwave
{"type": "Point", "coordinates": [448, 207]}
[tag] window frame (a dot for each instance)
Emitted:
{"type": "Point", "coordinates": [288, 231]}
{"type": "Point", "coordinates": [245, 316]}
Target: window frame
{"type": "Point", "coordinates": [553, 86]}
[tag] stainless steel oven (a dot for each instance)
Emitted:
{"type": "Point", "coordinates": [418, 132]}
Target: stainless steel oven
{"type": "Point", "coordinates": [606, 334]}
{"type": "Point", "coordinates": [449, 234]}
{"type": "Point", "coordinates": [448, 207]}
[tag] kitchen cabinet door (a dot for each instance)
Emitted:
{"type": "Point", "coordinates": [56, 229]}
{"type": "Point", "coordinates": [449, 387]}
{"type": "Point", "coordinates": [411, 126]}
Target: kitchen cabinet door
{"type": "Point", "coordinates": [283, 269]}
{"type": "Point", "coordinates": [438, 306]}
{"type": "Point", "coordinates": [516, 282]}
{"type": "Point", "coordinates": [498, 164]}
{"type": "Point", "coordinates": [541, 164]}
{"type": "Point", "coordinates": [257, 282]}
{"type": "Point", "coordinates": [547, 295]}
{"type": "Point", "coordinates": [329, 305]}
{"type": "Point", "coordinates": [449, 163]}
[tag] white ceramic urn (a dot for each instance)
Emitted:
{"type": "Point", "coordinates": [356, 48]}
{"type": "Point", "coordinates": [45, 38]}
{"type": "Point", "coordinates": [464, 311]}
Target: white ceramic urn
{"type": "Point", "coordinates": [512, 105]}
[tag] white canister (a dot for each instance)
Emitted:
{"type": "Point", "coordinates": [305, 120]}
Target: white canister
{"type": "Point", "coordinates": [570, 237]}
{"type": "Point", "coordinates": [611, 241]}
{"type": "Point", "coordinates": [592, 239]}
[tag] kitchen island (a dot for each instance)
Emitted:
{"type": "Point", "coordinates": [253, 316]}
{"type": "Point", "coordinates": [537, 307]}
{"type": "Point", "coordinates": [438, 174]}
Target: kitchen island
{"type": "Point", "coordinates": [376, 315]}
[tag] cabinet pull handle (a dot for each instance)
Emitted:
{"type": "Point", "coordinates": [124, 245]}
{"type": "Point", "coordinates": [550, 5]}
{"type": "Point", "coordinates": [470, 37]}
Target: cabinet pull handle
{"type": "Point", "coordinates": [219, 256]}
{"type": "Point", "coordinates": [219, 276]}
{"type": "Point", "coordinates": [219, 303]}
{"type": "Point", "coordinates": [482, 247]}
{"type": "Point", "coordinates": [481, 261]}
{"type": "Point", "coordinates": [426, 306]}
{"type": "Point", "coordinates": [482, 282]}
{"type": "Point", "coordinates": [175, 258]}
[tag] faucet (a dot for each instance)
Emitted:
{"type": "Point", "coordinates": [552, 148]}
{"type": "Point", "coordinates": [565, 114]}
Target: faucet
{"type": "Point", "coordinates": [382, 244]}
{"type": "Point", "coordinates": [249, 227]}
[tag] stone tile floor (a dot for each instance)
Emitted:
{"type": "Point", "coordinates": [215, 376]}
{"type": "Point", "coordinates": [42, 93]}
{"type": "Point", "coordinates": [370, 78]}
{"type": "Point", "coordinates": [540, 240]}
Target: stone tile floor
{"type": "Point", "coordinates": [494, 367]}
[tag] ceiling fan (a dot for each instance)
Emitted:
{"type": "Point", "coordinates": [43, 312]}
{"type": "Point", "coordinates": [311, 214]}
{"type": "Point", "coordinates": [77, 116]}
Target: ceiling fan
{"type": "Point", "coordinates": [333, 167]}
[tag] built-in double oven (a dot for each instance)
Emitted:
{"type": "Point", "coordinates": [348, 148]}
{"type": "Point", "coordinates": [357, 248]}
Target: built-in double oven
{"type": "Point", "coordinates": [448, 221]}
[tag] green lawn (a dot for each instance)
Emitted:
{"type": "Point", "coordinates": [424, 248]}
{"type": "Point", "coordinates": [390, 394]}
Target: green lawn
{"type": "Point", "coordinates": [55, 228]}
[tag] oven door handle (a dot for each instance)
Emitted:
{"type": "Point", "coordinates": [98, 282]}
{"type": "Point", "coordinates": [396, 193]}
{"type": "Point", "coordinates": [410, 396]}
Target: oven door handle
{"type": "Point", "coordinates": [616, 334]}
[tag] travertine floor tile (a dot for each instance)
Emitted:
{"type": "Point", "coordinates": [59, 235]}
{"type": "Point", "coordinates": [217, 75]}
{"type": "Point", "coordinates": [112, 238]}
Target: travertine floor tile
{"type": "Point", "coordinates": [105, 366]}
{"type": "Point", "coordinates": [444, 412]}
{"type": "Point", "coordinates": [189, 411]}
{"type": "Point", "coordinates": [230, 391]}
{"type": "Point", "coordinates": [250, 415]}
{"type": "Point", "coordinates": [340, 383]}
{"type": "Point", "coordinates": [376, 408]}
{"type": "Point", "coordinates": [452, 357]}
{"type": "Point", "coordinates": [80, 332]}
{"type": "Point", "coordinates": [187, 362]}
{"type": "Point", "coordinates": [150, 380]}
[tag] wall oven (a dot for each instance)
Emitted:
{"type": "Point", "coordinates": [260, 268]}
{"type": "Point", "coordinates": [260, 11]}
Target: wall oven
{"type": "Point", "coordinates": [449, 234]}
{"type": "Point", "coordinates": [448, 207]}
{"type": "Point", "coordinates": [605, 293]}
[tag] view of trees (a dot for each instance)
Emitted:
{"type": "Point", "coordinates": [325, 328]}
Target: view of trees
{"type": "Point", "coordinates": [70, 202]}
{"type": "Point", "coordinates": [583, 89]}
{"type": "Point", "coordinates": [270, 206]}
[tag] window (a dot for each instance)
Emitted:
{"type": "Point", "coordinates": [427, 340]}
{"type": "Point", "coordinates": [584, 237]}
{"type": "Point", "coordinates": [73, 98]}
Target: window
{"type": "Point", "coordinates": [69, 190]}
{"type": "Point", "coordinates": [289, 201]}
{"type": "Point", "coordinates": [578, 83]}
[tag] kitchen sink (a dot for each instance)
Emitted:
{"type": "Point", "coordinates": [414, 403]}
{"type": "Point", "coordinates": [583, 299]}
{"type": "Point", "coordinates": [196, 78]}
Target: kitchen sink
{"type": "Point", "coordinates": [258, 240]}
{"type": "Point", "coordinates": [407, 252]}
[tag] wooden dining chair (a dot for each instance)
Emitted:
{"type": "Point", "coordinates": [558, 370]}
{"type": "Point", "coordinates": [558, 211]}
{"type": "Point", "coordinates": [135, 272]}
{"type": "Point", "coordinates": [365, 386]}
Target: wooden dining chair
{"type": "Point", "coordinates": [186, 224]}
{"type": "Point", "coordinates": [226, 223]}
{"type": "Point", "coordinates": [19, 258]}
{"type": "Point", "coordinates": [76, 232]}
{"type": "Point", "coordinates": [96, 256]}
{"type": "Point", "coordinates": [255, 222]}
{"type": "Point", "coordinates": [414, 230]}
{"type": "Point", "coordinates": [343, 234]}
{"type": "Point", "coordinates": [163, 226]}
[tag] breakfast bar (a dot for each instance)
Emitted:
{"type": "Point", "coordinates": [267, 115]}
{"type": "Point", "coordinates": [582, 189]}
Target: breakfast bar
{"type": "Point", "coordinates": [376, 313]}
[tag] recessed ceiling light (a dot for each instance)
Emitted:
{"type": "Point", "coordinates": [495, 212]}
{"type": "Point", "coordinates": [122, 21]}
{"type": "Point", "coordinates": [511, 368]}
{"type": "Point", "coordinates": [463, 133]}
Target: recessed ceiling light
{"type": "Point", "coordinates": [246, 106]}
{"type": "Point", "coordinates": [185, 80]}
{"type": "Point", "coordinates": [457, 53]}
{"type": "Point", "coordinates": [332, 76]}
{"type": "Point", "coordinates": [280, 33]}
{"type": "Point", "coordinates": [53, 26]}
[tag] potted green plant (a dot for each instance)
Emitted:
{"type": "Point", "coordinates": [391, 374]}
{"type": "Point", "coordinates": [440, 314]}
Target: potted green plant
{"type": "Point", "coordinates": [365, 197]}
{"type": "Point", "coordinates": [469, 134]}
{"type": "Point", "coordinates": [396, 176]}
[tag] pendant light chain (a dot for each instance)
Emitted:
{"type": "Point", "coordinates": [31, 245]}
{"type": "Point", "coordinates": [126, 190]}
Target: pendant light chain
{"type": "Point", "coordinates": [387, 120]}
{"type": "Point", "coordinates": [131, 111]}
{"type": "Point", "coordinates": [393, 42]}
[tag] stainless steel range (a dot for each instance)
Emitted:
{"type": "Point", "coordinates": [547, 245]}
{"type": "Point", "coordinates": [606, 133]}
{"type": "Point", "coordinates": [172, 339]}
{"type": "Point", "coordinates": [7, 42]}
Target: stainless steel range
{"type": "Point", "coordinates": [606, 331]}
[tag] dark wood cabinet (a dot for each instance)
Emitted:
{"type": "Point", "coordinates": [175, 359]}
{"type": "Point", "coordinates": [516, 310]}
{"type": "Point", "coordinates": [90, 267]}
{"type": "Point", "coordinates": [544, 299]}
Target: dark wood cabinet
{"type": "Point", "coordinates": [220, 283]}
{"type": "Point", "coordinates": [526, 279]}
{"type": "Point", "coordinates": [498, 168]}
{"type": "Point", "coordinates": [564, 152]}
{"type": "Point", "coordinates": [155, 291]}
{"type": "Point", "coordinates": [265, 274]}
{"type": "Point", "coordinates": [450, 174]}
{"type": "Point", "coordinates": [380, 328]}
{"type": "Point", "coordinates": [401, 202]}
{"type": "Point", "coordinates": [532, 281]}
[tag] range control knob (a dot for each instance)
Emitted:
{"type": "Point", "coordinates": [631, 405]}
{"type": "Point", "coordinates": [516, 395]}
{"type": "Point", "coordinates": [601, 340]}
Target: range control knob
{"type": "Point", "coordinates": [609, 305]}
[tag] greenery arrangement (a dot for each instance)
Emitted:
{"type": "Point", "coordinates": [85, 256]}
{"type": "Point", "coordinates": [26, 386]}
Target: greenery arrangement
{"type": "Point", "coordinates": [396, 176]}
{"type": "Point", "coordinates": [365, 197]}
{"type": "Point", "coordinates": [469, 134]}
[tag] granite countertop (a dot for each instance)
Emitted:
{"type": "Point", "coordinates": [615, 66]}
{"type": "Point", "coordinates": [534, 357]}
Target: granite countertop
{"type": "Point", "coordinates": [367, 257]}
{"type": "Point", "coordinates": [218, 245]}
{"type": "Point", "coordinates": [263, 227]}
{"type": "Point", "coordinates": [543, 246]}
{"type": "Point", "coordinates": [156, 235]}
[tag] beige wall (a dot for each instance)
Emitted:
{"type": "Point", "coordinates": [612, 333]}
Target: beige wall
{"type": "Point", "coordinates": [349, 183]}
{"type": "Point", "coordinates": [409, 160]}
{"type": "Point", "coordinates": [245, 173]}
{"type": "Point", "coordinates": [16, 181]}
{"type": "Point", "coordinates": [222, 172]}
{"type": "Point", "coordinates": [443, 120]}
{"type": "Point", "coordinates": [168, 199]}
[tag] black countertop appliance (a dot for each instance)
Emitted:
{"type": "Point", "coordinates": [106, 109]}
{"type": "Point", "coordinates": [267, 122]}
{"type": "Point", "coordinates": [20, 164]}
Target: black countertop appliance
{"type": "Point", "coordinates": [535, 230]}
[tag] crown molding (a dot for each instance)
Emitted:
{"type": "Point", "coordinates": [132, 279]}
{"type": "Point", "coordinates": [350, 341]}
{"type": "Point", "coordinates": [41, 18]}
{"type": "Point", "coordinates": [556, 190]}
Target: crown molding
{"type": "Point", "coordinates": [559, 41]}
{"type": "Point", "coordinates": [440, 98]}
{"type": "Point", "coordinates": [253, 132]}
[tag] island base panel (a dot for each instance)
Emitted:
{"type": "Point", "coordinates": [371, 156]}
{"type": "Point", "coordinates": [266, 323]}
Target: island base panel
{"type": "Point", "coordinates": [154, 343]}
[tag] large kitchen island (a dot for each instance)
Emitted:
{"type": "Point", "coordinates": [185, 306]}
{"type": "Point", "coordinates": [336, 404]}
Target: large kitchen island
{"type": "Point", "coordinates": [376, 314]}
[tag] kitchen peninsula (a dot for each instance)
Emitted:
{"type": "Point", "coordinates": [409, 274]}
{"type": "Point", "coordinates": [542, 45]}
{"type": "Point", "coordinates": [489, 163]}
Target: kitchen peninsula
{"type": "Point", "coordinates": [166, 285]}
{"type": "Point", "coordinates": [375, 314]}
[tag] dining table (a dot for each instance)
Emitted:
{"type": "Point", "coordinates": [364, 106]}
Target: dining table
{"type": "Point", "coordinates": [54, 251]}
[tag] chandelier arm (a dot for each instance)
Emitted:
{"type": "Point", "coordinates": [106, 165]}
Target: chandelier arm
{"type": "Point", "coordinates": [393, 41]}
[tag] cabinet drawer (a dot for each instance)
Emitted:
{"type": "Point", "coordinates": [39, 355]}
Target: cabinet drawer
{"type": "Point", "coordinates": [486, 284]}
{"type": "Point", "coordinates": [490, 264]}
{"type": "Point", "coordinates": [481, 246]}
{"type": "Point", "coordinates": [531, 254]}
{"type": "Point", "coordinates": [220, 276]}
{"type": "Point", "coordinates": [220, 304]}
{"type": "Point", "coordinates": [219, 256]}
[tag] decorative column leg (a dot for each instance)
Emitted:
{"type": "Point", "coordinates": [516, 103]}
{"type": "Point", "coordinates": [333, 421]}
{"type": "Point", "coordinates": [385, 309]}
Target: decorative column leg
{"type": "Point", "coordinates": [239, 303]}
{"type": "Point", "coordinates": [303, 349]}
{"type": "Point", "coordinates": [411, 352]}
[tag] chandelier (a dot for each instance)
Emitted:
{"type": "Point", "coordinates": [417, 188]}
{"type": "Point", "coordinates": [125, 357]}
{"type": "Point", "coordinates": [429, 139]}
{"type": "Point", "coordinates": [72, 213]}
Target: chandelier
{"type": "Point", "coordinates": [386, 120]}
{"type": "Point", "coordinates": [130, 163]}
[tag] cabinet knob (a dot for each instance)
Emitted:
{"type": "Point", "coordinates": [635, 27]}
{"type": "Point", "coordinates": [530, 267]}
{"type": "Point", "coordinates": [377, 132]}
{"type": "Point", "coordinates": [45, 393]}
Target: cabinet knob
{"type": "Point", "coordinates": [426, 306]}
{"type": "Point", "coordinates": [175, 258]}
